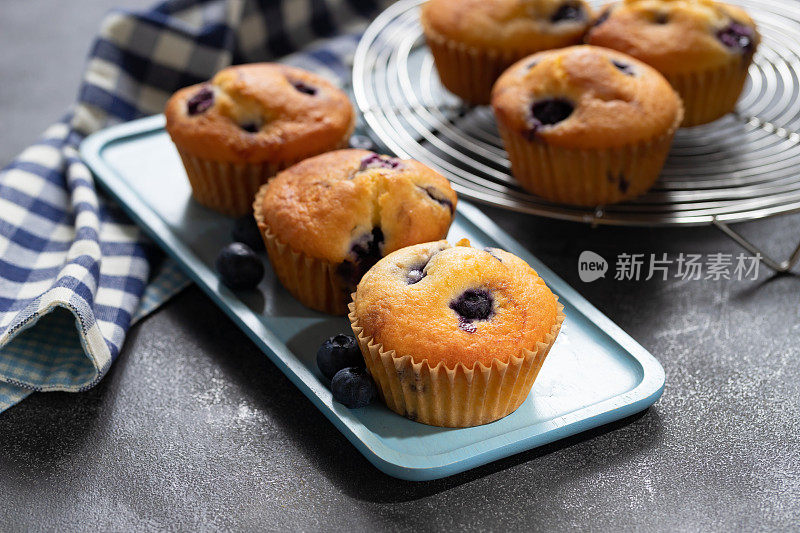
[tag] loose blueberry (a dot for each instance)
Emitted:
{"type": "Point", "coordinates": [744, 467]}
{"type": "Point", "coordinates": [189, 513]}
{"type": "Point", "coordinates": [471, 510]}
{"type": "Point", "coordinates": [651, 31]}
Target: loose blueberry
{"type": "Point", "coordinates": [338, 352]}
{"type": "Point", "coordinates": [200, 102]}
{"type": "Point", "coordinates": [379, 161]}
{"type": "Point", "coordinates": [548, 112]}
{"type": "Point", "coordinates": [737, 36]}
{"type": "Point", "coordinates": [473, 304]}
{"type": "Point", "coordinates": [623, 67]}
{"type": "Point", "coordinates": [304, 88]}
{"type": "Point", "coordinates": [353, 387]}
{"type": "Point", "coordinates": [239, 267]}
{"type": "Point", "coordinates": [246, 230]}
{"type": "Point", "coordinates": [361, 142]}
{"type": "Point", "coordinates": [568, 11]}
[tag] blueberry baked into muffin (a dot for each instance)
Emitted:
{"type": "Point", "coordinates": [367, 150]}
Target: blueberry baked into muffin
{"type": "Point", "coordinates": [703, 48]}
{"type": "Point", "coordinates": [454, 335]}
{"type": "Point", "coordinates": [250, 121]}
{"type": "Point", "coordinates": [474, 41]}
{"type": "Point", "coordinates": [585, 125]}
{"type": "Point", "coordinates": [328, 219]}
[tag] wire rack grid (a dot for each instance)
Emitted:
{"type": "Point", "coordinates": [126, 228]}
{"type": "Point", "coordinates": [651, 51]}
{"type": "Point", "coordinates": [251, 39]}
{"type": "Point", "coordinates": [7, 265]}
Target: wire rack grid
{"type": "Point", "coordinates": [742, 167]}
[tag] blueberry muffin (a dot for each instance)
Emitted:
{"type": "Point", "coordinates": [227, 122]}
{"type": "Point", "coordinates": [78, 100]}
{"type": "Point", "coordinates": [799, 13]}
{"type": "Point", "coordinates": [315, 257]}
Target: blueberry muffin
{"type": "Point", "coordinates": [474, 41]}
{"type": "Point", "coordinates": [250, 121]}
{"type": "Point", "coordinates": [328, 219]}
{"type": "Point", "coordinates": [703, 48]}
{"type": "Point", "coordinates": [585, 125]}
{"type": "Point", "coordinates": [454, 336]}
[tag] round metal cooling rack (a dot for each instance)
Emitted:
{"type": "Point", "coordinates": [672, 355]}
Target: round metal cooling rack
{"type": "Point", "coordinates": [742, 167]}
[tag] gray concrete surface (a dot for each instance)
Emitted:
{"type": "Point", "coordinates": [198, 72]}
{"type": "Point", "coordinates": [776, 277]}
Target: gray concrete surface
{"type": "Point", "coordinates": [194, 428]}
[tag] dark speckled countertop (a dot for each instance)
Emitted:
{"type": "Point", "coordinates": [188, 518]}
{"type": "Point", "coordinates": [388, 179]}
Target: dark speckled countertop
{"type": "Point", "coordinates": [195, 429]}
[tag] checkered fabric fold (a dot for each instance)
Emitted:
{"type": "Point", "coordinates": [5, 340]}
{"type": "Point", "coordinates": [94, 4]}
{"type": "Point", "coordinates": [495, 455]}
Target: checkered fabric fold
{"type": "Point", "coordinates": [71, 263]}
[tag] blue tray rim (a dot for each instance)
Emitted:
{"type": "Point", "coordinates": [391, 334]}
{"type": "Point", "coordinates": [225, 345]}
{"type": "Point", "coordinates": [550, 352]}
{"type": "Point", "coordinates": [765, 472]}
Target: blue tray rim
{"type": "Point", "coordinates": [390, 461]}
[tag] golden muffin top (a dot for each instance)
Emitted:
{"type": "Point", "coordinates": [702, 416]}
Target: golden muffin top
{"type": "Point", "coordinates": [353, 205]}
{"type": "Point", "coordinates": [585, 97]}
{"type": "Point", "coordinates": [516, 25]}
{"type": "Point", "coordinates": [261, 112]}
{"type": "Point", "coordinates": [677, 36]}
{"type": "Point", "coordinates": [454, 305]}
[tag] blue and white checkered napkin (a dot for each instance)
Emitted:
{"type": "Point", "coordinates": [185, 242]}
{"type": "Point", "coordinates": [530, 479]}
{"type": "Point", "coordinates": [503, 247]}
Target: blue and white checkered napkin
{"type": "Point", "coordinates": [71, 263]}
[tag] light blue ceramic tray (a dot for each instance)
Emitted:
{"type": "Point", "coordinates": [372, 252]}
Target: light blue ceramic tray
{"type": "Point", "coordinates": [595, 373]}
